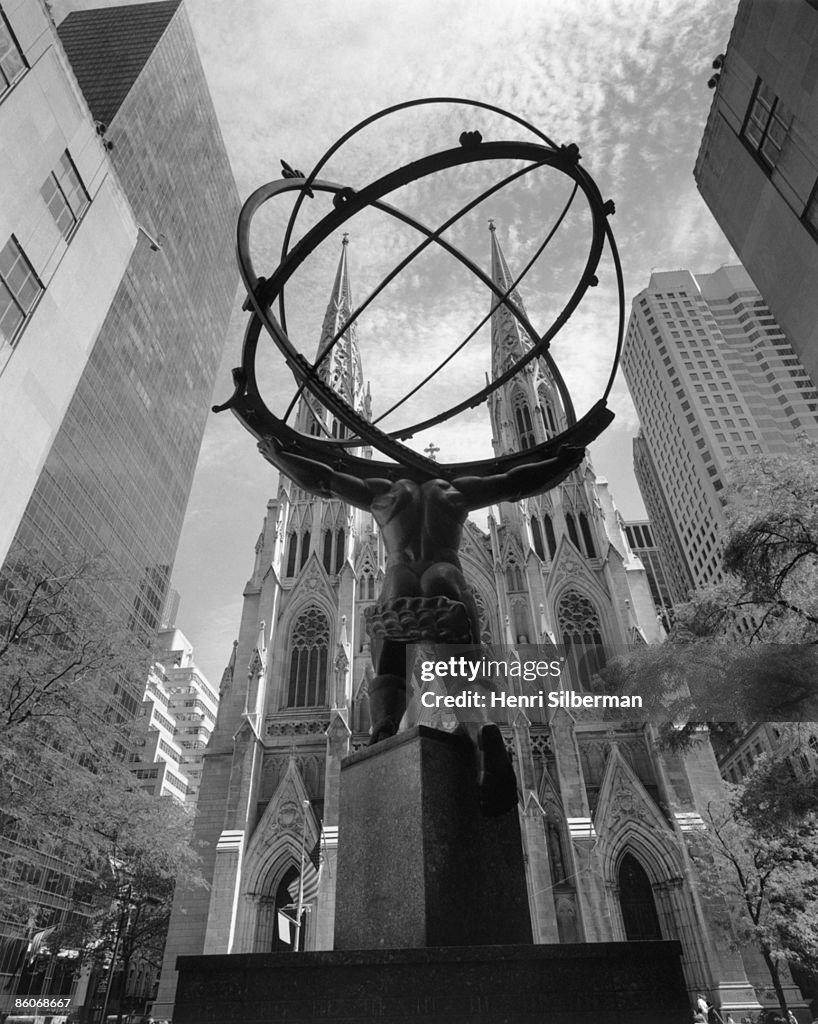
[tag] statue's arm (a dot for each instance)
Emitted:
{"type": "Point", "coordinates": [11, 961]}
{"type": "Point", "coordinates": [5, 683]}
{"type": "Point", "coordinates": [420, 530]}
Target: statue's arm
{"type": "Point", "coordinates": [319, 478]}
{"type": "Point", "coordinates": [520, 482]}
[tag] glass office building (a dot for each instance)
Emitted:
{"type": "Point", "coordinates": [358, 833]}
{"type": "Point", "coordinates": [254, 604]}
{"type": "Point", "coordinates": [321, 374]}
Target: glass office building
{"type": "Point", "coordinates": [118, 475]}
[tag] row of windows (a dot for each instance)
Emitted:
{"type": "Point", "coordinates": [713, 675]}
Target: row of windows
{"type": "Point", "coordinates": [577, 620]}
{"type": "Point", "coordinates": [332, 551]}
{"type": "Point", "coordinates": [587, 544]}
{"type": "Point", "coordinates": [20, 287]}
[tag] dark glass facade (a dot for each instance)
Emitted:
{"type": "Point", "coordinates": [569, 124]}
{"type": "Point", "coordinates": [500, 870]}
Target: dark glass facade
{"type": "Point", "coordinates": [120, 470]}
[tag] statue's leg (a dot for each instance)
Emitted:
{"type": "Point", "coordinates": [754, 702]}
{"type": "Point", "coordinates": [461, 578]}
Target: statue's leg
{"type": "Point", "coordinates": [387, 691]}
{"type": "Point", "coordinates": [496, 780]}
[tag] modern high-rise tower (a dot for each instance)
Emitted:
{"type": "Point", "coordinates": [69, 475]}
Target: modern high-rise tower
{"type": "Point", "coordinates": [119, 469]}
{"type": "Point", "coordinates": [713, 378]}
{"type": "Point", "coordinates": [117, 282]}
{"type": "Point", "coordinates": [603, 810]}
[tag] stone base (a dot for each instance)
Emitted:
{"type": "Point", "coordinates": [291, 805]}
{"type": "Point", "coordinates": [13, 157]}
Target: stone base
{"type": "Point", "coordinates": [417, 863]}
{"type": "Point", "coordinates": [595, 983]}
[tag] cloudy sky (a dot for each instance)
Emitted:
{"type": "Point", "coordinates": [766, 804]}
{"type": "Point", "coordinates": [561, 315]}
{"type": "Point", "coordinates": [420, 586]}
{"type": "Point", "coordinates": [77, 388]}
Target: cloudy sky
{"type": "Point", "coordinates": [624, 79]}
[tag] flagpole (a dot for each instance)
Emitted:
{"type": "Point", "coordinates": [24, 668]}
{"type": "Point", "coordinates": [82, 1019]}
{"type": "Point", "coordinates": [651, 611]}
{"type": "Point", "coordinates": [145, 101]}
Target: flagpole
{"type": "Point", "coordinates": [300, 907]}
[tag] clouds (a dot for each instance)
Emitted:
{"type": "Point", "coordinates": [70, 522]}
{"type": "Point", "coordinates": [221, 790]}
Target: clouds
{"type": "Point", "coordinates": [624, 79]}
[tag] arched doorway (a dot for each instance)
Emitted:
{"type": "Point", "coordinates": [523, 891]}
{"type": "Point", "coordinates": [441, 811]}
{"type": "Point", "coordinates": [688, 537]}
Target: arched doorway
{"type": "Point", "coordinates": [636, 899]}
{"type": "Point", "coordinates": [283, 899]}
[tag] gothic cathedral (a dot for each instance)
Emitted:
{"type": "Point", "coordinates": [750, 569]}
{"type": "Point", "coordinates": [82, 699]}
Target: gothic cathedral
{"type": "Point", "coordinates": [603, 812]}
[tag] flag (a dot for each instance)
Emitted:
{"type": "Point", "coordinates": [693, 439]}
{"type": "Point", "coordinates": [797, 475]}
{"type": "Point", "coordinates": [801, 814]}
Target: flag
{"type": "Point", "coordinates": [284, 928]}
{"type": "Point", "coordinates": [37, 941]}
{"type": "Point", "coordinates": [312, 875]}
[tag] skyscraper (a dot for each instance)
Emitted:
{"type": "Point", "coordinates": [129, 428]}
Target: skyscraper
{"type": "Point", "coordinates": [117, 282]}
{"type": "Point", "coordinates": [178, 714]}
{"type": "Point", "coordinates": [640, 537]}
{"type": "Point", "coordinates": [757, 167]}
{"type": "Point", "coordinates": [119, 470]}
{"type": "Point", "coordinates": [713, 378]}
{"type": "Point", "coordinates": [603, 811]}
{"type": "Point", "coordinates": [67, 233]}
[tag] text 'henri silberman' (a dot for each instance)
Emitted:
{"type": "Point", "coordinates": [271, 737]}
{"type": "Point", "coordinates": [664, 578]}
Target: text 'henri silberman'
{"type": "Point", "coordinates": [483, 673]}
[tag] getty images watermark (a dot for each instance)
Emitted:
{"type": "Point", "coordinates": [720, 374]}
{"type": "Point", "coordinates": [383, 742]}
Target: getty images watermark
{"type": "Point", "coordinates": [460, 679]}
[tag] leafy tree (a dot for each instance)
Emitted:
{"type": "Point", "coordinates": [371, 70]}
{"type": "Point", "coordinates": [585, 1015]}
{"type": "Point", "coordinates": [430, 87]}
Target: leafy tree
{"type": "Point", "coordinates": [745, 648]}
{"type": "Point", "coordinates": [72, 669]}
{"type": "Point", "coordinates": [770, 590]}
{"type": "Point", "coordinates": [770, 877]}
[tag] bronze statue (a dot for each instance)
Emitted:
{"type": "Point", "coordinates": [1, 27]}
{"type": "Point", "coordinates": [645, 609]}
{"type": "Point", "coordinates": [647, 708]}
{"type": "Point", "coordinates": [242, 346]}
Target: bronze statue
{"type": "Point", "coordinates": [422, 524]}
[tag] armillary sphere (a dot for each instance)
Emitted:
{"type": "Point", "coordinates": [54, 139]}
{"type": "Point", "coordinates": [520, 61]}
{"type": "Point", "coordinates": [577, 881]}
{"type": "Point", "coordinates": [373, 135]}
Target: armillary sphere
{"type": "Point", "coordinates": [266, 293]}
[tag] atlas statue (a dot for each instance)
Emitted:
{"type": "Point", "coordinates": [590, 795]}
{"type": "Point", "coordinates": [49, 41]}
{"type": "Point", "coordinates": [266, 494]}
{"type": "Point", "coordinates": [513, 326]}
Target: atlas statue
{"type": "Point", "coordinates": [419, 505]}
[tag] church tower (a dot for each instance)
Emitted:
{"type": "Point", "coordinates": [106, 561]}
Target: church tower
{"type": "Point", "coordinates": [603, 811]}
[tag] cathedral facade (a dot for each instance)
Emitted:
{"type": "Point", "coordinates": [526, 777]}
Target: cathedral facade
{"type": "Point", "coordinates": [603, 811]}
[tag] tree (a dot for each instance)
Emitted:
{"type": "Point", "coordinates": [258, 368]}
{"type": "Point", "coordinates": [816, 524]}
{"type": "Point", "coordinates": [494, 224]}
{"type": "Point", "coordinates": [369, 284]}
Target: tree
{"type": "Point", "coordinates": [72, 669]}
{"type": "Point", "coordinates": [745, 648]}
{"type": "Point", "coordinates": [770, 878]}
{"type": "Point", "coordinates": [769, 593]}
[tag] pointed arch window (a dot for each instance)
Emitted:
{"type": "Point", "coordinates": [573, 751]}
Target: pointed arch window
{"type": "Point", "coordinates": [309, 660]}
{"type": "Point", "coordinates": [572, 530]}
{"type": "Point", "coordinates": [522, 419]}
{"type": "Point", "coordinates": [305, 548]}
{"type": "Point", "coordinates": [292, 548]}
{"type": "Point", "coordinates": [547, 413]}
{"type": "Point", "coordinates": [514, 576]}
{"type": "Point", "coordinates": [326, 553]}
{"type": "Point", "coordinates": [366, 585]}
{"type": "Point", "coordinates": [339, 548]}
{"type": "Point", "coordinates": [636, 899]}
{"type": "Point", "coordinates": [550, 539]}
{"type": "Point", "coordinates": [536, 536]}
{"type": "Point", "coordinates": [581, 634]}
{"type": "Point", "coordinates": [332, 551]}
{"type": "Point", "coordinates": [587, 536]}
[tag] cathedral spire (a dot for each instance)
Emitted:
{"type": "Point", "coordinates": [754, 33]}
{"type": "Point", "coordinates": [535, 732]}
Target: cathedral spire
{"type": "Point", "coordinates": [341, 365]}
{"type": "Point", "coordinates": [528, 409]}
{"type": "Point", "coordinates": [341, 368]}
{"type": "Point", "coordinates": [508, 339]}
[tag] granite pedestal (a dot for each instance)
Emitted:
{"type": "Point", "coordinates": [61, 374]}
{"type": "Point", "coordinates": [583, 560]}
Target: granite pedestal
{"type": "Point", "coordinates": [432, 922]}
{"type": "Point", "coordinates": [595, 983]}
{"type": "Point", "coordinates": [418, 865]}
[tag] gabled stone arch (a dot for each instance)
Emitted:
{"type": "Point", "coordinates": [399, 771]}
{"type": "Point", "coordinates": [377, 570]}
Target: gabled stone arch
{"type": "Point", "coordinates": [274, 848]}
{"type": "Point", "coordinates": [627, 819]}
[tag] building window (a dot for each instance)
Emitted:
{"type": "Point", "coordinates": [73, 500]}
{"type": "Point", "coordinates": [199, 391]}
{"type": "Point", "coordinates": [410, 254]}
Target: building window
{"type": "Point", "coordinates": [309, 656]}
{"type": "Point", "coordinates": [19, 289]}
{"type": "Point", "coordinates": [292, 548]}
{"type": "Point", "coordinates": [551, 540]}
{"type": "Point", "coordinates": [514, 576]}
{"type": "Point", "coordinates": [65, 195]}
{"type": "Point", "coordinates": [12, 64]}
{"type": "Point", "coordinates": [572, 530]}
{"type": "Point", "coordinates": [766, 125]}
{"type": "Point", "coordinates": [536, 536]}
{"type": "Point", "coordinates": [333, 542]}
{"type": "Point", "coordinates": [581, 633]}
{"type": "Point", "coordinates": [587, 536]}
{"type": "Point", "coordinates": [522, 418]}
